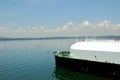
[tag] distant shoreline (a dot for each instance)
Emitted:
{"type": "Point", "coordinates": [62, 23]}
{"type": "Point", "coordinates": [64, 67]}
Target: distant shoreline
{"type": "Point", "coordinates": [43, 38]}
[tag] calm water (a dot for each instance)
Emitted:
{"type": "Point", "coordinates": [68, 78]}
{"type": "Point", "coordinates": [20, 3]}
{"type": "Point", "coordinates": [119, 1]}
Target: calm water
{"type": "Point", "coordinates": [33, 60]}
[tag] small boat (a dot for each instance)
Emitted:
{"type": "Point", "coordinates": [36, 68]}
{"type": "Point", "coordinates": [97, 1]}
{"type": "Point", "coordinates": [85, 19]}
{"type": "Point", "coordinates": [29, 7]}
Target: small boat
{"type": "Point", "coordinates": [100, 58]}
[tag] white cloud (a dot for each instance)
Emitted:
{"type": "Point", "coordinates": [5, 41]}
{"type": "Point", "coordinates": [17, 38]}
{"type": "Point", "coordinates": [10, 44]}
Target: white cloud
{"type": "Point", "coordinates": [104, 23]}
{"type": "Point", "coordinates": [68, 26]}
{"type": "Point", "coordinates": [116, 27]}
{"type": "Point", "coordinates": [2, 28]}
{"type": "Point", "coordinates": [85, 24]}
{"type": "Point", "coordinates": [69, 29]}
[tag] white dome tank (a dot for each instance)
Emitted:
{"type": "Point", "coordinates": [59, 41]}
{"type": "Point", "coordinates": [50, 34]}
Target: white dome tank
{"type": "Point", "coordinates": [102, 51]}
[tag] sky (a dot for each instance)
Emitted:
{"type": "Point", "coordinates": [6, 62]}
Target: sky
{"type": "Point", "coordinates": [51, 18]}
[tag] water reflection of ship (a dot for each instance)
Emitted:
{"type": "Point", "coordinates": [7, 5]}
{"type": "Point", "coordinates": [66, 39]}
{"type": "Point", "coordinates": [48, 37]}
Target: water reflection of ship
{"type": "Point", "coordinates": [66, 74]}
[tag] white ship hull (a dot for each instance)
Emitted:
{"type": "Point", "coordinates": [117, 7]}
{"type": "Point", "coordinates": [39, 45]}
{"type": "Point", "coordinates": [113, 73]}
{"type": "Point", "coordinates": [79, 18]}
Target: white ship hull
{"type": "Point", "coordinates": [100, 56]}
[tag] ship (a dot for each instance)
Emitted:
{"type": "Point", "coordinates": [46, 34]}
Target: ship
{"type": "Point", "coordinates": [94, 57]}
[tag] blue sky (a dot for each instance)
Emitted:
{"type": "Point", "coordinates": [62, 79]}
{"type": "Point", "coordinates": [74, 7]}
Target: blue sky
{"type": "Point", "coordinates": [39, 18]}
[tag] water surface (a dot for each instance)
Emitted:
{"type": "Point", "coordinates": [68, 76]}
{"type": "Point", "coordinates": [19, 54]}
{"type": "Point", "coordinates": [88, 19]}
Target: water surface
{"type": "Point", "coordinates": [34, 60]}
